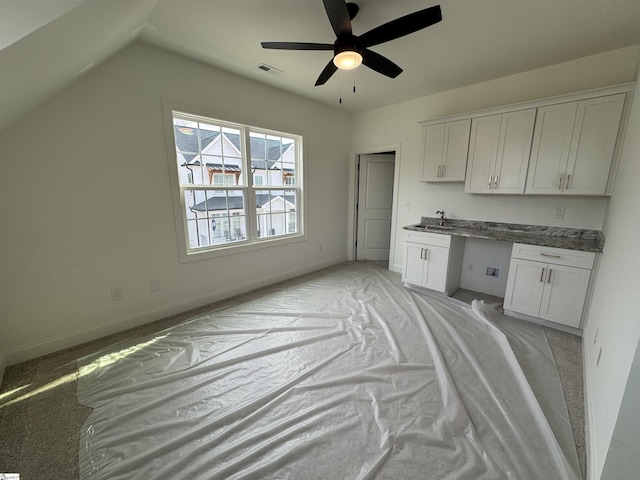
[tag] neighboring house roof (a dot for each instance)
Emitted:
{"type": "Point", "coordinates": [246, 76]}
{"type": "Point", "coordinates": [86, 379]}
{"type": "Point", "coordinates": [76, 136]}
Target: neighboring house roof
{"type": "Point", "coordinates": [187, 140]}
{"type": "Point", "coordinates": [235, 202]}
{"type": "Point", "coordinates": [264, 152]}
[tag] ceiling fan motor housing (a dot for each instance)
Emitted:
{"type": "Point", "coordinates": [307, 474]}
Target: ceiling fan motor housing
{"type": "Point", "coordinates": [347, 43]}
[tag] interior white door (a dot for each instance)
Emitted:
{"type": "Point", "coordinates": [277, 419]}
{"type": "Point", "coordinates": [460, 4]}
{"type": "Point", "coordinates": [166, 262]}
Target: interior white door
{"type": "Point", "coordinates": [375, 199]}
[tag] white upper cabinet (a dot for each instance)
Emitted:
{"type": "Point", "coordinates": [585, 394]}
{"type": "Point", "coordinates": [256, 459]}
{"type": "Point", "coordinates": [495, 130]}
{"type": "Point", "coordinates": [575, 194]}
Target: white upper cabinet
{"type": "Point", "coordinates": [499, 150]}
{"type": "Point", "coordinates": [445, 147]}
{"type": "Point", "coordinates": [554, 146]}
{"type": "Point", "coordinates": [573, 146]}
{"type": "Point", "coordinates": [593, 145]}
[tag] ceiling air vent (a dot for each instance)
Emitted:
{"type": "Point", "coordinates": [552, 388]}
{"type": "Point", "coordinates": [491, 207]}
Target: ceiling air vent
{"type": "Point", "coordinates": [268, 68]}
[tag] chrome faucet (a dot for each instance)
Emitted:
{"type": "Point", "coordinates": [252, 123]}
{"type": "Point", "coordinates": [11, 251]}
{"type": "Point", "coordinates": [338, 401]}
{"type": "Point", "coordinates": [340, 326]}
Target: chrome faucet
{"type": "Point", "coordinates": [443, 219]}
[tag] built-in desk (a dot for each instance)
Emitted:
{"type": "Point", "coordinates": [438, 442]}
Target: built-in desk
{"type": "Point", "coordinates": [549, 273]}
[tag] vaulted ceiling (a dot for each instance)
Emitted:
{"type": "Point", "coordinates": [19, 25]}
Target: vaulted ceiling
{"type": "Point", "coordinates": [46, 44]}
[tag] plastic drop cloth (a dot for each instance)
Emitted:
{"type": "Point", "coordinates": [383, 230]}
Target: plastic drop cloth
{"type": "Point", "coordinates": [345, 376]}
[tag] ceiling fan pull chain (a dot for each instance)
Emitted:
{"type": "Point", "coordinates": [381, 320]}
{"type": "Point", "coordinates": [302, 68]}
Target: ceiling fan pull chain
{"type": "Point", "coordinates": [340, 88]}
{"type": "Point", "coordinates": [354, 81]}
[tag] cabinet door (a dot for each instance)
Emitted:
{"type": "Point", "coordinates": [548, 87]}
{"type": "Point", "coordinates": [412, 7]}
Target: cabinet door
{"type": "Point", "coordinates": [564, 294]}
{"type": "Point", "coordinates": [437, 261]}
{"type": "Point", "coordinates": [457, 147]}
{"type": "Point", "coordinates": [445, 148]}
{"type": "Point", "coordinates": [593, 143]}
{"type": "Point", "coordinates": [414, 264]}
{"type": "Point", "coordinates": [433, 151]}
{"type": "Point", "coordinates": [524, 286]}
{"type": "Point", "coordinates": [483, 150]}
{"type": "Point", "coordinates": [514, 148]}
{"type": "Point", "coordinates": [550, 148]}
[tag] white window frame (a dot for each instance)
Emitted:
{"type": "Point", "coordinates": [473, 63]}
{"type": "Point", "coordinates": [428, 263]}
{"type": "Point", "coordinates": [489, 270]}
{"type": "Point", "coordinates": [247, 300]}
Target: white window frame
{"type": "Point", "coordinates": [252, 242]}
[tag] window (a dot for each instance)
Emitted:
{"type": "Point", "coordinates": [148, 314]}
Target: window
{"type": "Point", "coordinates": [237, 185]}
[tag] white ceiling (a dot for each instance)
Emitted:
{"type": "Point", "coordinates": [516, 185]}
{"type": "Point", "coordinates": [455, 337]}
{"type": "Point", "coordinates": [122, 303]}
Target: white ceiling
{"type": "Point", "coordinates": [42, 50]}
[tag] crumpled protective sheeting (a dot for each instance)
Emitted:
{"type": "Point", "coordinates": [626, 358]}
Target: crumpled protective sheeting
{"type": "Point", "coordinates": [346, 376]}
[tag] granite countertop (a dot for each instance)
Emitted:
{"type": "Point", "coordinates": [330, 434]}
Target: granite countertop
{"type": "Point", "coordinates": [558, 237]}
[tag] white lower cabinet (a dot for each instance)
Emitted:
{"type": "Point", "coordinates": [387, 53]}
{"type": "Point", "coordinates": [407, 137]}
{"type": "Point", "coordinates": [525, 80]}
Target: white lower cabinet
{"type": "Point", "coordinates": [433, 261]}
{"type": "Point", "coordinates": [548, 283]}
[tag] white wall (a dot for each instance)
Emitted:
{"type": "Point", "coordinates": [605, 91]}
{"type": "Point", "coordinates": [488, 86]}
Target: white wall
{"type": "Point", "coordinates": [623, 456]}
{"type": "Point", "coordinates": [615, 309]}
{"type": "Point", "coordinates": [398, 124]}
{"type": "Point", "coordinates": [480, 254]}
{"type": "Point", "coordinates": [85, 201]}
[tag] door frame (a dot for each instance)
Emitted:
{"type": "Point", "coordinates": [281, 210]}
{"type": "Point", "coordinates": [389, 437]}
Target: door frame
{"type": "Point", "coordinates": [353, 199]}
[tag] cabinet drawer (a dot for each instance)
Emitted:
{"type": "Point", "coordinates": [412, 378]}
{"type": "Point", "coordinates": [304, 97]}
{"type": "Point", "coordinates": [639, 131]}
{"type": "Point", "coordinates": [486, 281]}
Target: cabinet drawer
{"type": "Point", "coordinates": [557, 256]}
{"type": "Point", "coordinates": [427, 238]}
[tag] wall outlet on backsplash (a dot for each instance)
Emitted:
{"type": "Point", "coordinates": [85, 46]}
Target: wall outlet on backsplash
{"type": "Point", "coordinates": [558, 212]}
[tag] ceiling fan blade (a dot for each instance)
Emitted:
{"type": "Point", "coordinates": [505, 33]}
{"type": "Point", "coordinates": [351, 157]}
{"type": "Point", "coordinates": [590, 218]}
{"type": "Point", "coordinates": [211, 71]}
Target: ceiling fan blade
{"type": "Point", "coordinates": [338, 14]}
{"type": "Point", "coordinates": [380, 64]}
{"type": "Point", "coordinates": [297, 46]}
{"type": "Point", "coordinates": [401, 26]}
{"type": "Point", "coordinates": [325, 75]}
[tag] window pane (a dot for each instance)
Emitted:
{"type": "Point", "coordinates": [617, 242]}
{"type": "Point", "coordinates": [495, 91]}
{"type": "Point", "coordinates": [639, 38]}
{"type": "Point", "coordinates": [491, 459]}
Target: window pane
{"type": "Point", "coordinates": [272, 157]}
{"type": "Point", "coordinates": [203, 149]}
{"type": "Point", "coordinates": [228, 211]}
{"type": "Point", "coordinates": [292, 222]}
{"type": "Point", "coordinates": [203, 232]}
{"type": "Point", "coordinates": [275, 210]}
{"type": "Point", "coordinates": [195, 203]}
{"type": "Point", "coordinates": [189, 139]}
{"type": "Point", "coordinates": [264, 226]}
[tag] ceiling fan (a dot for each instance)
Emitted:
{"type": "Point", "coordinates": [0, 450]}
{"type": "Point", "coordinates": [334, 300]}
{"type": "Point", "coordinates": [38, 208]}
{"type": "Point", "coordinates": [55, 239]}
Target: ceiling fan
{"type": "Point", "coordinates": [351, 50]}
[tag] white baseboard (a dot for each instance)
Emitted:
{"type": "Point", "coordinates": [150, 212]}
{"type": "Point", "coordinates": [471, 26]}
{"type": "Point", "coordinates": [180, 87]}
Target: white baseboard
{"type": "Point", "coordinates": [3, 365]}
{"type": "Point", "coordinates": [590, 443]}
{"type": "Point", "coordinates": [67, 340]}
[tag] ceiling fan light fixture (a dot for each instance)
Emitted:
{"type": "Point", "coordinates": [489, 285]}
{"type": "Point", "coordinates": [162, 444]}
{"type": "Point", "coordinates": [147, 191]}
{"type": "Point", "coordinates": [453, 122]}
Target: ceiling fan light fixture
{"type": "Point", "coordinates": [347, 60]}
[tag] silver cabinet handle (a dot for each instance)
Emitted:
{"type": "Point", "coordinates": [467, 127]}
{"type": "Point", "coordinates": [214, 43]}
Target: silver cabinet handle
{"type": "Point", "coordinates": [549, 255]}
{"type": "Point", "coordinates": [566, 186]}
{"type": "Point", "coordinates": [426, 254]}
{"type": "Point", "coordinates": [549, 277]}
{"type": "Point", "coordinates": [560, 182]}
{"type": "Point", "coordinates": [444, 169]}
{"type": "Point", "coordinates": [421, 253]}
{"type": "Point", "coordinates": [490, 180]}
{"type": "Point", "coordinates": [542, 275]}
{"type": "Point", "coordinates": [495, 182]}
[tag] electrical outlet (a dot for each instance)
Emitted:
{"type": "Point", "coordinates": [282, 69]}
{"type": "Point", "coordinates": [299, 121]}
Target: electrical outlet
{"type": "Point", "coordinates": [469, 267]}
{"type": "Point", "coordinates": [407, 205]}
{"type": "Point", "coordinates": [116, 293]}
{"type": "Point", "coordinates": [492, 272]}
{"type": "Point", "coordinates": [154, 285]}
{"type": "Point", "coordinates": [558, 212]}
